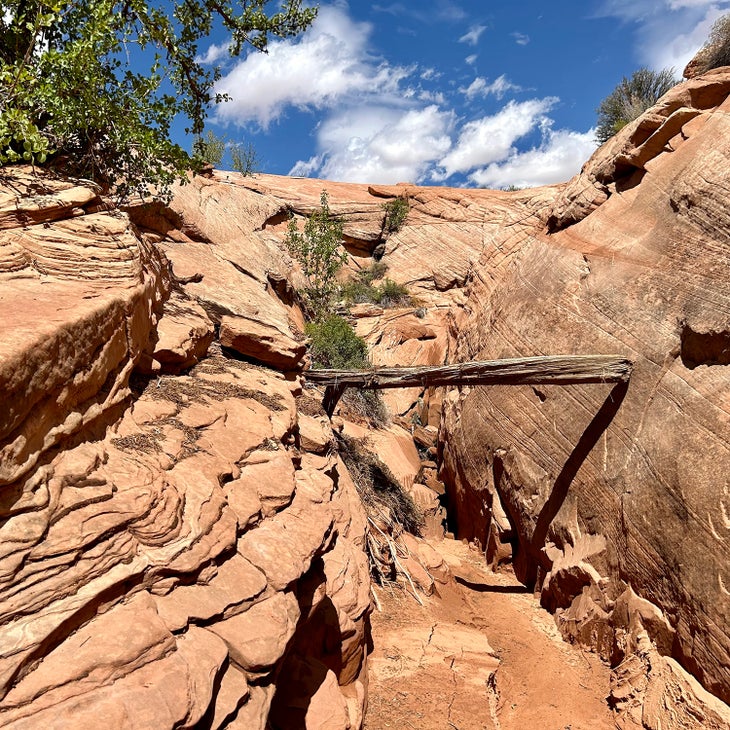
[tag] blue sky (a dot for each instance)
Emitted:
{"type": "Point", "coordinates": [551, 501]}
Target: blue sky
{"type": "Point", "coordinates": [447, 92]}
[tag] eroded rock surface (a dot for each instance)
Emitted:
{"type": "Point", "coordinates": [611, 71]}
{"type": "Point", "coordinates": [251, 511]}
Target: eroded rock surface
{"type": "Point", "coordinates": [602, 489]}
{"type": "Point", "coordinates": [173, 549]}
{"type": "Point", "coordinates": [181, 545]}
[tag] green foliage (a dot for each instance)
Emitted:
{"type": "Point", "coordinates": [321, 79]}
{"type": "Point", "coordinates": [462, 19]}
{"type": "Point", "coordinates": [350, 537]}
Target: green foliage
{"type": "Point", "coordinates": [392, 294]}
{"type": "Point", "coordinates": [318, 250]}
{"type": "Point", "coordinates": [396, 212]}
{"type": "Point", "coordinates": [716, 51]}
{"type": "Point", "coordinates": [630, 99]}
{"type": "Point", "coordinates": [334, 344]}
{"type": "Point", "coordinates": [363, 288]}
{"type": "Point", "coordinates": [210, 148]}
{"type": "Point", "coordinates": [68, 93]}
{"type": "Point", "coordinates": [245, 159]}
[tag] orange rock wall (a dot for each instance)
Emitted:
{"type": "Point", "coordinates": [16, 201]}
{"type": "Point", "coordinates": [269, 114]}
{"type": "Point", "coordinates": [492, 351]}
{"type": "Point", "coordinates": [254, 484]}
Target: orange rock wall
{"type": "Point", "coordinates": [598, 488]}
{"type": "Point", "coordinates": [177, 550]}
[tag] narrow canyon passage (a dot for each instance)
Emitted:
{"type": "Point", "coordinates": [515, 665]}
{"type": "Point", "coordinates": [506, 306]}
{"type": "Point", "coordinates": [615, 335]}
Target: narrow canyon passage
{"type": "Point", "coordinates": [483, 656]}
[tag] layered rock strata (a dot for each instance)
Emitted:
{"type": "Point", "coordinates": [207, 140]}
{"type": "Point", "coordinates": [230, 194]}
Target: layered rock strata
{"type": "Point", "coordinates": [178, 550]}
{"type": "Point", "coordinates": [606, 491]}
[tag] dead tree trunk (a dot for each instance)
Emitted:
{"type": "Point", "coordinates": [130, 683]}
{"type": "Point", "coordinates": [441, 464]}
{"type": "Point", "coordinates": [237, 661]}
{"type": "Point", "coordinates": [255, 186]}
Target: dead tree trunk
{"type": "Point", "coordinates": [543, 370]}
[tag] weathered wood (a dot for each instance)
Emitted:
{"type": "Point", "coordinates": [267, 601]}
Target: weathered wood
{"type": "Point", "coordinates": [542, 370]}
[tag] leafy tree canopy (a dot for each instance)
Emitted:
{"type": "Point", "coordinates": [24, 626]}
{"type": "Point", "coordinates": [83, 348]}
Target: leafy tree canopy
{"type": "Point", "coordinates": [630, 99]}
{"type": "Point", "coordinates": [69, 95]}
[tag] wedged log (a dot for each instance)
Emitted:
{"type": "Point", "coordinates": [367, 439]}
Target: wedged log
{"type": "Point", "coordinates": [541, 370]}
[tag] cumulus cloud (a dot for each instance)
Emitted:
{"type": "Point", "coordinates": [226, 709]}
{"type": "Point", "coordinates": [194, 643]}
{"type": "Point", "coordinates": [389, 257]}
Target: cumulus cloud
{"type": "Point", "coordinates": [385, 123]}
{"type": "Point", "coordinates": [480, 88]}
{"type": "Point", "coordinates": [521, 39]}
{"type": "Point", "coordinates": [492, 138]}
{"type": "Point", "coordinates": [471, 60]}
{"type": "Point", "coordinates": [328, 62]}
{"type": "Point", "coordinates": [473, 35]}
{"type": "Point", "coordinates": [558, 158]}
{"type": "Point", "coordinates": [379, 145]}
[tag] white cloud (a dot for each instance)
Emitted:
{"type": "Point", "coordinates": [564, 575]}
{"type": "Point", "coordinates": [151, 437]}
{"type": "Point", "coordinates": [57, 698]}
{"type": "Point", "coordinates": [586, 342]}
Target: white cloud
{"type": "Point", "coordinates": [669, 32]}
{"type": "Point", "coordinates": [471, 60]}
{"type": "Point", "coordinates": [214, 53]}
{"type": "Point", "coordinates": [473, 35]}
{"type": "Point", "coordinates": [491, 139]}
{"type": "Point", "coordinates": [379, 124]}
{"type": "Point", "coordinates": [558, 158]}
{"type": "Point", "coordinates": [479, 87]}
{"type": "Point", "coordinates": [379, 145]}
{"type": "Point", "coordinates": [328, 62]}
{"type": "Point", "coordinates": [521, 39]}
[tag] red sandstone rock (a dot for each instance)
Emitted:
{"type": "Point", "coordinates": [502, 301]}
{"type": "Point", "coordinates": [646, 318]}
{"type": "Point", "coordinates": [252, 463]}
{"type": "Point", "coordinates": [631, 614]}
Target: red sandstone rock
{"type": "Point", "coordinates": [128, 580]}
{"type": "Point", "coordinates": [633, 268]}
{"type": "Point", "coordinates": [140, 530]}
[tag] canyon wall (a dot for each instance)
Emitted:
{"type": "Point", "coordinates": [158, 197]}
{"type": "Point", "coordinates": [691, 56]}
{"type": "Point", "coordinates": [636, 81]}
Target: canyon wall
{"type": "Point", "coordinates": [182, 545]}
{"type": "Point", "coordinates": [615, 500]}
{"type": "Point", "coordinates": [177, 550]}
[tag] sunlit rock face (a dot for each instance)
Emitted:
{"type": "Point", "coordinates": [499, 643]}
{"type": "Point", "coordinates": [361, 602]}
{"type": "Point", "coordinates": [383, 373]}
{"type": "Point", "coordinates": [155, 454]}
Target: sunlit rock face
{"type": "Point", "coordinates": [173, 551]}
{"type": "Point", "coordinates": [604, 489]}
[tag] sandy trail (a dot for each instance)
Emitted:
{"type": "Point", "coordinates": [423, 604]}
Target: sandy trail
{"type": "Point", "coordinates": [484, 656]}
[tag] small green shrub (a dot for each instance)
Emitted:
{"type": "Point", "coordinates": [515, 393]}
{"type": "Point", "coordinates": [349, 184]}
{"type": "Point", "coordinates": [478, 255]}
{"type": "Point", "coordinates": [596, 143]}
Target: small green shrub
{"type": "Point", "coordinates": [318, 250]}
{"type": "Point", "coordinates": [396, 212]}
{"type": "Point", "coordinates": [630, 99]}
{"type": "Point", "coordinates": [391, 294]}
{"type": "Point", "coordinates": [209, 149]}
{"type": "Point", "coordinates": [334, 344]}
{"type": "Point", "coordinates": [373, 273]}
{"type": "Point", "coordinates": [212, 148]}
{"type": "Point", "coordinates": [363, 289]}
{"type": "Point", "coordinates": [245, 159]}
{"type": "Point", "coordinates": [358, 292]}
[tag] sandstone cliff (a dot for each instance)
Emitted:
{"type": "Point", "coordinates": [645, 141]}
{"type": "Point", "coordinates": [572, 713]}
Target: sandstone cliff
{"type": "Point", "coordinates": [606, 493]}
{"type": "Point", "coordinates": [176, 551]}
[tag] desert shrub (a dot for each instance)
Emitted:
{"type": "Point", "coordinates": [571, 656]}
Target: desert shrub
{"type": "Point", "coordinates": [396, 212]}
{"type": "Point", "coordinates": [391, 294]}
{"type": "Point", "coordinates": [209, 149]}
{"type": "Point", "coordinates": [377, 486]}
{"type": "Point", "coordinates": [630, 99]}
{"type": "Point", "coordinates": [212, 148]}
{"type": "Point", "coordinates": [362, 288]}
{"type": "Point", "coordinates": [318, 249]}
{"type": "Point", "coordinates": [716, 51]}
{"type": "Point", "coordinates": [334, 344]}
{"type": "Point", "coordinates": [245, 159]}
